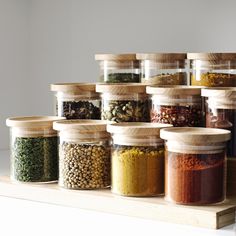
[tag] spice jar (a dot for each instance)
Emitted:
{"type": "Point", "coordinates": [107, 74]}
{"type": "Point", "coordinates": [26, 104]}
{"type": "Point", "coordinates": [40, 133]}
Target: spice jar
{"type": "Point", "coordinates": [176, 105]}
{"type": "Point", "coordinates": [220, 105]}
{"type": "Point", "coordinates": [195, 165]}
{"type": "Point", "coordinates": [118, 68]}
{"type": "Point", "coordinates": [77, 101]}
{"type": "Point", "coordinates": [137, 159]}
{"type": "Point", "coordinates": [84, 154]}
{"type": "Point", "coordinates": [33, 146]}
{"type": "Point", "coordinates": [163, 68]}
{"type": "Point", "coordinates": [124, 102]}
{"type": "Point", "coordinates": [213, 69]}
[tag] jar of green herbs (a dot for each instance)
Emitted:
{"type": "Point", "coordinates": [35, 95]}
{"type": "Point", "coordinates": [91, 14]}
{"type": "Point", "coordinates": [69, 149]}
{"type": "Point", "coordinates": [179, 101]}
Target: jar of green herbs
{"type": "Point", "coordinates": [33, 146]}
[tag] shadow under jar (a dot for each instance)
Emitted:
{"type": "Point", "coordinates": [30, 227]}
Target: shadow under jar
{"type": "Point", "coordinates": [176, 105]}
{"type": "Point", "coordinates": [137, 159]}
{"type": "Point", "coordinates": [84, 154]}
{"type": "Point", "coordinates": [77, 101]}
{"type": "Point", "coordinates": [118, 68]}
{"type": "Point", "coordinates": [163, 68]}
{"type": "Point", "coordinates": [195, 165]}
{"type": "Point", "coordinates": [34, 149]}
{"type": "Point", "coordinates": [124, 102]}
{"type": "Point", "coordinates": [212, 69]}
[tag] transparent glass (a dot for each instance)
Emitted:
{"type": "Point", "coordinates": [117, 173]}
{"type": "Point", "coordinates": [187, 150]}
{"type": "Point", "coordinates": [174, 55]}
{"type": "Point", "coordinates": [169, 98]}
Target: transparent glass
{"type": "Point", "coordinates": [217, 74]}
{"type": "Point", "coordinates": [34, 155]}
{"type": "Point", "coordinates": [84, 161]}
{"type": "Point", "coordinates": [164, 73]}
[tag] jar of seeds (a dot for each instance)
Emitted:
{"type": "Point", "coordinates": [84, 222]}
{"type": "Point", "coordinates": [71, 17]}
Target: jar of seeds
{"type": "Point", "coordinates": [124, 102]}
{"type": "Point", "coordinates": [84, 154]}
{"type": "Point", "coordinates": [77, 101]}
{"type": "Point", "coordinates": [213, 69]}
{"type": "Point", "coordinates": [33, 146]}
{"type": "Point", "coordinates": [163, 68]}
{"type": "Point", "coordinates": [118, 68]}
{"type": "Point", "coordinates": [137, 159]}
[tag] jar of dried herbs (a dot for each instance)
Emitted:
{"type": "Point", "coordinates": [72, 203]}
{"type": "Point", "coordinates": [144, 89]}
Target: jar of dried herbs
{"type": "Point", "coordinates": [163, 68]}
{"type": "Point", "coordinates": [213, 69]}
{"type": "Point", "coordinates": [34, 153]}
{"type": "Point", "coordinates": [77, 101]}
{"type": "Point", "coordinates": [195, 165]}
{"type": "Point", "coordinates": [84, 154]}
{"type": "Point", "coordinates": [124, 102]}
{"type": "Point", "coordinates": [137, 159]}
{"type": "Point", "coordinates": [118, 68]}
{"type": "Point", "coordinates": [176, 105]}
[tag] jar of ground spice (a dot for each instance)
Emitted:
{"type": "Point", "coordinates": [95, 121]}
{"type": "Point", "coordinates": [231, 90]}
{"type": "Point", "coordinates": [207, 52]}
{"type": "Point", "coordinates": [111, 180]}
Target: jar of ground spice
{"type": "Point", "coordinates": [124, 102]}
{"type": "Point", "coordinates": [213, 69]}
{"type": "Point", "coordinates": [84, 154]}
{"type": "Point", "coordinates": [77, 101]}
{"type": "Point", "coordinates": [137, 159]}
{"type": "Point", "coordinates": [118, 68]}
{"type": "Point", "coordinates": [195, 165]}
{"type": "Point", "coordinates": [176, 105]}
{"type": "Point", "coordinates": [33, 146]}
{"type": "Point", "coordinates": [163, 68]}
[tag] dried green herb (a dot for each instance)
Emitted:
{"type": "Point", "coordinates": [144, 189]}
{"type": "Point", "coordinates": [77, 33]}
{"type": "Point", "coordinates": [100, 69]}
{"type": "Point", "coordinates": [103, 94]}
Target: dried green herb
{"type": "Point", "coordinates": [122, 78]}
{"type": "Point", "coordinates": [35, 159]}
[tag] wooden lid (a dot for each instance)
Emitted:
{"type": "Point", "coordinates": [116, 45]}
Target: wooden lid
{"type": "Point", "coordinates": [84, 126]}
{"type": "Point", "coordinates": [219, 92]}
{"type": "Point", "coordinates": [73, 87]}
{"type": "Point", "coordinates": [161, 56]}
{"type": "Point", "coordinates": [32, 121]}
{"type": "Point", "coordinates": [121, 88]}
{"type": "Point", "coordinates": [136, 128]}
{"type": "Point", "coordinates": [212, 56]}
{"type": "Point", "coordinates": [115, 57]}
{"type": "Point", "coordinates": [174, 90]}
{"type": "Point", "coordinates": [195, 135]}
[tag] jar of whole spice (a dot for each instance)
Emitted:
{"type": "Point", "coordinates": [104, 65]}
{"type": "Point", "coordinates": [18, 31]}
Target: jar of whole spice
{"type": "Point", "coordinates": [84, 154]}
{"type": "Point", "coordinates": [118, 68]}
{"type": "Point", "coordinates": [33, 146]}
{"type": "Point", "coordinates": [124, 102]}
{"type": "Point", "coordinates": [213, 69]}
{"type": "Point", "coordinates": [163, 68]}
{"type": "Point", "coordinates": [195, 165]}
{"type": "Point", "coordinates": [77, 101]}
{"type": "Point", "coordinates": [176, 105]}
{"type": "Point", "coordinates": [137, 159]}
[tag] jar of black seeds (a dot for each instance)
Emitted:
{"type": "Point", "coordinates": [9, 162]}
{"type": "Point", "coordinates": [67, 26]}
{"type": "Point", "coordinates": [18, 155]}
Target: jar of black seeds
{"type": "Point", "coordinates": [77, 101]}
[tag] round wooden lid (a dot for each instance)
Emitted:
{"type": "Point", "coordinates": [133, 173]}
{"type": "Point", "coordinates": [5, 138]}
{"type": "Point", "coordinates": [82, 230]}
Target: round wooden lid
{"type": "Point", "coordinates": [121, 88]}
{"type": "Point", "coordinates": [174, 90]}
{"type": "Point", "coordinates": [73, 87]}
{"type": "Point", "coordinates": [136, 128]}
{"type": "Point", "coordinates": [33, 121]}
{"type": "Point", "coordinates": [219, 92]}
{"type": "Point", "coordinates": [115, 57]}
{"type": "Point", "coordinates": [195, 135]}
{"type": "Point", "coordinates": [212, 56]}
{"type": "Point", "coordinates": [161, 56]}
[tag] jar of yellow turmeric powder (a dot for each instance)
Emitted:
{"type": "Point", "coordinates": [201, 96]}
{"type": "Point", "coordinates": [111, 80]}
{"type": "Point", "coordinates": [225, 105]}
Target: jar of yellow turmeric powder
{"type": "Point", "coordinates": [137, 159]}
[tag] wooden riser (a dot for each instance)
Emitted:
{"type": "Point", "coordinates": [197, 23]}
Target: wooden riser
{"type": "Point", "coordinates": [155, 208]}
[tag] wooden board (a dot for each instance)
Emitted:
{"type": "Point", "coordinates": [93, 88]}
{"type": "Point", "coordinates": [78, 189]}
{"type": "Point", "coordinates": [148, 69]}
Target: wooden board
{"type": "Point", "coordinates": [155, 208]}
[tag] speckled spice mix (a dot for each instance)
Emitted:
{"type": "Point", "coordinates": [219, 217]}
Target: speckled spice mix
{"type": "Point", "coordinates": [121, 78]}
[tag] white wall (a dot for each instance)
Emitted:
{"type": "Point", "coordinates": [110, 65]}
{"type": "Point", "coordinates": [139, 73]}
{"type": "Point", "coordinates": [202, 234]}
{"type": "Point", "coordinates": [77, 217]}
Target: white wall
{"type": "Point", "coordinates": [55, 40]}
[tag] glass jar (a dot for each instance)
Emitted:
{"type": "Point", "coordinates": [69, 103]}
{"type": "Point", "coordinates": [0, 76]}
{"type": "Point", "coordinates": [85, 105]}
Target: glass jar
{"type": "Point", "coordinates": [33, 147]}
{"type": "Point", "coordinates": [124, 102]}
{"type": "Point", "coordinates": [176, 105]}
{"type": "Point", "coordinates": [220, 105]}
{"type": "Point", "coordinates": [213, 69]}
{"type": "Point", "coordinates": [77, 101]}
{"type": "Point", "coordinates": [137, 159]}
{"type": "Point", "coordinates": [163, 68]}
{"type": "Point", "coordinates": [195, 165]}
{"type": "Point", "coordinates": [84, 154]}
{"type": "Point", "coordinates": [118, 68]}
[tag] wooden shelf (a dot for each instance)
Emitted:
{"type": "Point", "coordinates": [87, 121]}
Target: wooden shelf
{"type": "Point", "coordinates": [155, 208]}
